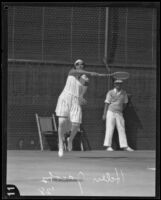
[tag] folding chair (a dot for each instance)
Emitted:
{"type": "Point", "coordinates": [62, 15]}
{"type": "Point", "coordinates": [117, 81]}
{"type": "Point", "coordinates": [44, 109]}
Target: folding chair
{"type": "Point", "coordinates": [85, 145]}
{"type": "Point", "coordinates": [47, 130]}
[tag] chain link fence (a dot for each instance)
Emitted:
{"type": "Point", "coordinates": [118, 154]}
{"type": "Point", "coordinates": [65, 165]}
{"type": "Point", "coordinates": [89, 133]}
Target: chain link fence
{"type": "Point", "coordinates": [43, 42]}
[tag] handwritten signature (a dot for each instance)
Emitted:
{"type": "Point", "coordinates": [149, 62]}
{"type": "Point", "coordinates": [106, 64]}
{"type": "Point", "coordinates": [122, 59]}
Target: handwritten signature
{"type": "Point", "coordinates": [79, 178]}
{"type": "Point", "coordinates": [47, 191]}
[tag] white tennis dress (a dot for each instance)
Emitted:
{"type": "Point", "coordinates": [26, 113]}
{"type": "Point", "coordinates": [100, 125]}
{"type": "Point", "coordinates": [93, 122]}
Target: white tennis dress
{"type": "Point", "coordinates": [68, 102]}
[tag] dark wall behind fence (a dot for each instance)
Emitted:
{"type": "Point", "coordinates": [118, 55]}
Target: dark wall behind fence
{"type": "Point", "coordinates": [38, 36]}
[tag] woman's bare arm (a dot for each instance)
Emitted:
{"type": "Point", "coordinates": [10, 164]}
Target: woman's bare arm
{"type": "Point", "coordinates": [80, 72]}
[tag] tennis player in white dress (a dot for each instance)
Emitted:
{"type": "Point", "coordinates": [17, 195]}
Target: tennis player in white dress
{"type": "Point", "coordinates": [70, 101]}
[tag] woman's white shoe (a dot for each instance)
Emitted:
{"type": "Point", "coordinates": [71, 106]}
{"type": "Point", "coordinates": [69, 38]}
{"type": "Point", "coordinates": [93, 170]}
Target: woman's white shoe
{"type": "Point", "coordinates": [60, 152]}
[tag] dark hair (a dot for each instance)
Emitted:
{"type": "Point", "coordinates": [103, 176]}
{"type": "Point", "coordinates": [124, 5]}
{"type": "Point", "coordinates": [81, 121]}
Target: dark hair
{"type": "Point", "coordinates": [74, 66]}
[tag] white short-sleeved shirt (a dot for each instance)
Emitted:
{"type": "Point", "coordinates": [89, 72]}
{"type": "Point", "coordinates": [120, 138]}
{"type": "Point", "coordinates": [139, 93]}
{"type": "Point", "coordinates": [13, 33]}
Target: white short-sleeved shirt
{"type": "Point", "coordinates": [116, 100]}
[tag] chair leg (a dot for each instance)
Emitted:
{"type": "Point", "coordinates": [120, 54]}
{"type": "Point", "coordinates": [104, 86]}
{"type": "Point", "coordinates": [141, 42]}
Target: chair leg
{"type": "Point", "coordinates": [82, 149]}
{"type": "Point", "coordinates": [64, 146]}
{"type": "Point", "coordinates": [39, 132]}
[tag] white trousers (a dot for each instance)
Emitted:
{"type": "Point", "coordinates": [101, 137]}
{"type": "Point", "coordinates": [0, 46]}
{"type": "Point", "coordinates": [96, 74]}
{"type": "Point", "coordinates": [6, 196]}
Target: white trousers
{"type": "Point", "coordinates": [112, 120]}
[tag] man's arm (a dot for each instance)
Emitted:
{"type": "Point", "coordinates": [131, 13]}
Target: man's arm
{"type": "Point", "coordinates": [125, 101]}
{"type": "Point", "coordinates": [124, 106]}
{"type": "Point", "coordinates": [105, 110]}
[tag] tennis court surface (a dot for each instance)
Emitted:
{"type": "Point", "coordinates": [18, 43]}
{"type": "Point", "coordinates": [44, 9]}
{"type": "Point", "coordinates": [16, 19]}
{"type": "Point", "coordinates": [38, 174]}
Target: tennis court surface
{"type": "Point", "coordinates": [88, 173]}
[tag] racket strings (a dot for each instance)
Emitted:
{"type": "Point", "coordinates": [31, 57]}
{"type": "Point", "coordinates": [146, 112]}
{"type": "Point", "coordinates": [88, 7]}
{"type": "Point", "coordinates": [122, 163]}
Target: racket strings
{"type": "Point", "coordinates": [121, 75]}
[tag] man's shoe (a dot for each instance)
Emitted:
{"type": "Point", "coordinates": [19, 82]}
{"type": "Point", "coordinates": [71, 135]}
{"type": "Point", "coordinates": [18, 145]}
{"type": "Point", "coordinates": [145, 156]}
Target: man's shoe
{"type": "Point", "coordinates": [109, 149]}
{"type": "Point", "coordinates": [128, 149]}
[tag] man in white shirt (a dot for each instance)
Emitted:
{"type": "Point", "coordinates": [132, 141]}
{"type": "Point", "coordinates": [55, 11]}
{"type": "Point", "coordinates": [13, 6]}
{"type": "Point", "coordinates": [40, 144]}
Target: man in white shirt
{"type": "Point", "coordinates": [115, 102]}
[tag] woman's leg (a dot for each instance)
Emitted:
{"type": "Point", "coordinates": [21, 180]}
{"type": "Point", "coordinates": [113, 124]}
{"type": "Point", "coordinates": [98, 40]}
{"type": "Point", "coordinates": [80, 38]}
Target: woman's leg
{"type": "Point", "coordinates": [76, 120]}
{"type": "Point", "coordinates": [74, 129]}
{"type": "Point", "coordinates": [61, 131]}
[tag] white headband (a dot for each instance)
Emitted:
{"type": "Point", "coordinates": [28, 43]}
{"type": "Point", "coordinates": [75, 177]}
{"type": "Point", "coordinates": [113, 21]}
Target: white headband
{"type": "Point", "coordinates": [78, 61]}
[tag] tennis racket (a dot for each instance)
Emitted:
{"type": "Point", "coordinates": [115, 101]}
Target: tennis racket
{"type": "Point", "coordinates": [117, 75]}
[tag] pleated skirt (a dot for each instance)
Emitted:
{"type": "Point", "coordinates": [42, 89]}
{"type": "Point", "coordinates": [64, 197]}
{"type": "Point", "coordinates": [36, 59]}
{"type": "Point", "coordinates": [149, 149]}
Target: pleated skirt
{"type": "Point", "coordinates": [68, 106]}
